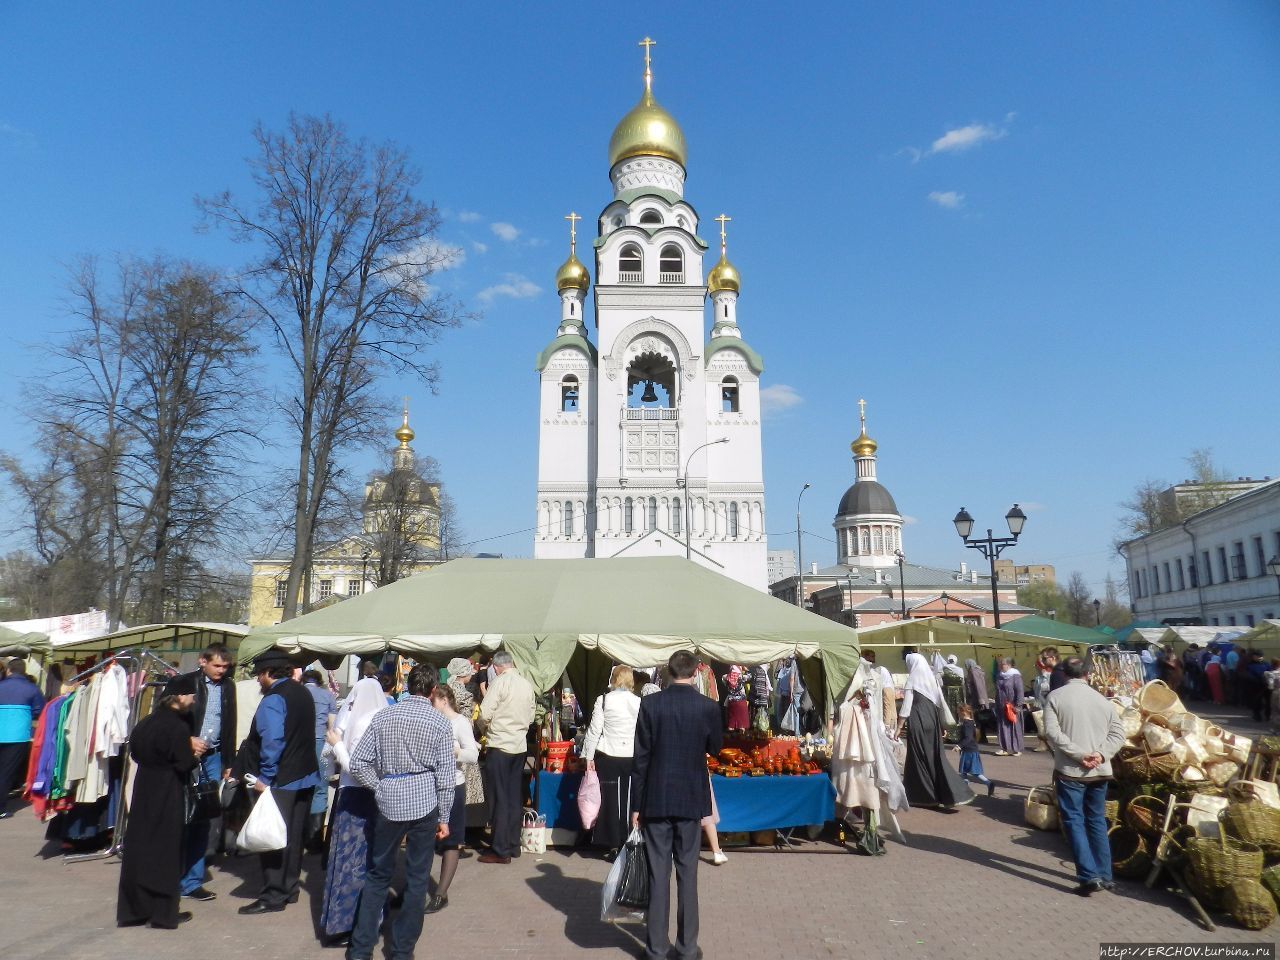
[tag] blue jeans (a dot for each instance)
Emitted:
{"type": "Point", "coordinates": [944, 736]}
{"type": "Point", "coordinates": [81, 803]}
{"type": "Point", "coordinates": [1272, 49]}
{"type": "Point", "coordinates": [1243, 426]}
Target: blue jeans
{"type": "Point", "coordinates": [1082, 807]}
{"type": "Point", "coordinates": [198, 833]}
{"type": "Point", "coordinates": [420, 847]}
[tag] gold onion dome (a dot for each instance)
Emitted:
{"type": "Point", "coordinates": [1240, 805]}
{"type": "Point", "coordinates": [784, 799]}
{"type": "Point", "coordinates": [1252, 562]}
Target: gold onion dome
{"type": "Point", "coordinates": [864, 446]}
{"type": "Point", "coordinates": [572, 275]}
{"type": "Point", "coordinates": [724, 276]}
{"type": "Point", "coordinates": [405, 434]}
{"type": "Point", "coordinates": [647, 131]}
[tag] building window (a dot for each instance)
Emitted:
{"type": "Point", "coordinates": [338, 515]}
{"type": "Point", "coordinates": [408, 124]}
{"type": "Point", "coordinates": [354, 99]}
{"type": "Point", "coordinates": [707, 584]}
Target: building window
{"type": "Point", "coordinates": [653, 514]}
{"type": "Point", "coordinates": [1231, 621]}
{"type": "Point", "coordinates": [282, 592]}
{"type": "Point", "coordinates": [650, 217]}
{"type": "Point", "coordinates": [630, 265]}
{"type": "Point", "coordinates": [1182, 583]}
{"type": "Point", "coordinates": [1223, 574]}
{"type": "Point", "coordinates": [326, 589]}
{"type": "Point", "coordinates": [1248, 618]}
{"type": "Point", "coordinates": [1260, 552]}
{"type": "Point", "coordinates": [671, 265]}
{"type": "Point", "coordinates": [729, 395]}
{"type": "Point", "coordinates": [1215, 622]}
{"type": "Point", "coordinates": [569, 394]}
{"type": "Point", "coordinates": [1137, 583]}
{"type": "Point", "coordinates": [877, 540]}
{"type": "Point", "coordinates": [1238, 569]}
{"type": "Point", "coordinates": [1168, 580]}
{"type": "Point", "coordinates": [628, 522]}
{"type": "Point", "coordinates": [866, 540]}
{"type": "Point", "coordinates": [1191, 571]}
{"type": "Point", "coordinates": [568, 518]}
{"type": "Point", "coordinates": [677, 516]}
{"type": "Point", "coordinates": [1208, 569]}
{"type": "Point", "coordinates": [733, 521]}
{"type": "Point", "coordinates": [354, 587]}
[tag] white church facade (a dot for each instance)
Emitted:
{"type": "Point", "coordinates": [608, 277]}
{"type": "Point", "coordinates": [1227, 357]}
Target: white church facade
{"type": "Point", "coordinates": [649, 434]}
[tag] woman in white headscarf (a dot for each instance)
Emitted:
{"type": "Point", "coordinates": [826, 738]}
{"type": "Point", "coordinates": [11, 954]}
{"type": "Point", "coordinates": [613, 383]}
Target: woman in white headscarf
{"type": "Point", "coordinates": [928, 777]}
{"type": "Point", "coordinates": [354, 814]}
{"type": "Point", "coordinates": [863, 769]}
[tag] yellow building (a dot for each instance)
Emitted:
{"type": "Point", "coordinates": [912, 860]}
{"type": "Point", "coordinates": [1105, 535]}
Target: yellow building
{"type": "Point", "coordinates": [399, 535]}
{"type": "Point", "coordinates": [1022, 574]}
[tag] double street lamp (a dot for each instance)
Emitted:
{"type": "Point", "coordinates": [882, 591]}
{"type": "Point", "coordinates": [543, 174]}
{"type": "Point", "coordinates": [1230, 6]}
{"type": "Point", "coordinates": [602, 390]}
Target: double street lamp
{"type": "Point", "coordinates": [688, 510]}
{"type": "Point", "coordinates": [800, 553]}
{"type": "Point", "coordinates": [991, 546]}
{"type": "Point", "coordinates": [902, 581]}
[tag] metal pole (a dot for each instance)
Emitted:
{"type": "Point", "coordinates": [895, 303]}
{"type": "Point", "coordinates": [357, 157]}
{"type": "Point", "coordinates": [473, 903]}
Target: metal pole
{"type": "Point", "coordinates": [995, 595]}
{"type": "Point", "coordinates": [688, 533]}
{"type": "Point", "coordinates": [902, 582]}
{"type": "Point", "coordinates": [800, 553]}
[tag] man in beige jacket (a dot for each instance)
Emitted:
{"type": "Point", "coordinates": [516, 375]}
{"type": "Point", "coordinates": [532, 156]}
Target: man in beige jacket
{"type": "Point", "coordinates": [1085, 732]}
{"type": "Point", "coordinates": [505, 715]}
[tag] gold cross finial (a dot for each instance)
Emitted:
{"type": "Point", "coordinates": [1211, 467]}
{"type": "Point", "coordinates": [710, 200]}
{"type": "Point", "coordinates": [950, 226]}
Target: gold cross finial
{"type": "Point", "coordinates": [573, 219]}
{"type": "Point", "coordinates": [722, 220]}
{"type": "Point", "coordinates": [862, 414]}
{"type": "Point", "coordinates": [406, 411]}
{"type": "Point", "coordinates": [648, 66]}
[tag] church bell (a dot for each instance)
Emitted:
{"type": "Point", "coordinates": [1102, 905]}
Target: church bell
{"type": "Point", "coordinates": [649, 395]}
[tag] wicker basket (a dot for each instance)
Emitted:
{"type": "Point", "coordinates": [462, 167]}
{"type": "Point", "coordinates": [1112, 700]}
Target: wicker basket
{"type": "Point", "coordinates": [1250, 904]}
{"type": "Point", "coordinates": [1146, 815]}
{"type": "Point", "coordinates": [1218, 862]}
{"type": "Point", "coordinates": [1221, 772]}
{"type": "Point", "coordinates": [1041, 809]}
{"type": "Point", "coordinates": [1130, 852]}
{"type": "Point", "coordinates": [1112, 811]}
{"type": "Point", "coordinates": [1252, 821]}
{"type": "Point", "coordinates": [1158, 697]}
{"type": "Point", "coordinates": [1144, 767]}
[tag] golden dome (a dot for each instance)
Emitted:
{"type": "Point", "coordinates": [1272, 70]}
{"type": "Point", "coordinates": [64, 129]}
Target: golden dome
{"type": "Point", "coordinates": [724, 276]}
{"type": "Point", "coordinates": [572, 275]}
{"type": "Point", "coordinates": [405, 434]}
{"type": "Point", "coordinates": [647, 131]}
{"type": "Point", "coordinates": [864, 446]}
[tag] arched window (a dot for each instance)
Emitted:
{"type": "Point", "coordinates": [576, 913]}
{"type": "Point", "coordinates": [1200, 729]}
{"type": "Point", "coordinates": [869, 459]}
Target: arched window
{"type": "Point", "coordinates": [866, 540]}
{"type": "Point", "coordinates": [729, 395]}
{"type": "Point", "coordinates": [569, 394]}
{"type": "Point", "coordinates": [568, 518]}
{"type": "Point", "coordinates": [733, 521]}
{"type": "Point", "coordinates": [627, 520]}
{"type": "Point", "coordinates": [653, 514]}
{"type": "Point", "coordinates": [630, 265]}
{"type": "Point", "coordinates": [677, 516]}
{"type": "Point", "coordinates": [671, 265]}
{"type": "Point", "coordinates": [878, 541]}
{"type": "Point", "coordinates": [651, 217]}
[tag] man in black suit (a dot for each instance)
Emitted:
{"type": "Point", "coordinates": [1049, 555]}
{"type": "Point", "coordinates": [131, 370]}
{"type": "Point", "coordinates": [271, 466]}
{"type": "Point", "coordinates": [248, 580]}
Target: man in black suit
{"type": "Point", "coordinates": [675, 731]}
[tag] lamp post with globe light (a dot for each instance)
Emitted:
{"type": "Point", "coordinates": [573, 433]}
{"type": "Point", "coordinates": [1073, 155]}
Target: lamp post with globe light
{"type": "Point", "coordinates": [991, 546]}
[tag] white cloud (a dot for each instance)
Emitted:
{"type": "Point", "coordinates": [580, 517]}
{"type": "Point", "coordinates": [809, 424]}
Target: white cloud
{"type": "Point", "coordinates": [468, 216]}
{"type": "Point", "coordinates": [1032, 507]}
{"type": "Point", "coordinates": [778, 398]}
{"type": "Point", "coordinates": [514, 285]}
{"type": "Point", "coordinates": [504, 231]}
{"type": "Point", "coordinates": [908, 520]}
{"type": "Point", "coordinates": [948, 199]}
{"type": "Point", "coordinates": [479, 247]}
{"type": "Point", "coordinates": [960, 139]}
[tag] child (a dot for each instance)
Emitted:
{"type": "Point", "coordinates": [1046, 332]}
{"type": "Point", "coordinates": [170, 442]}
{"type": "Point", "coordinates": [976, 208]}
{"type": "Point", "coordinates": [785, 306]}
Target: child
{"type": "Point", "coordinates": [970, 759]}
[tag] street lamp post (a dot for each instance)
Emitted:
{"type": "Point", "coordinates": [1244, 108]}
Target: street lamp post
{"type": "Point", "coordinates": [800, 553]}
{"type": "Point", "coordinates": [946, 614]}
{"type": "Point", "coordinates": [990, 546]}
{"type": "Point", "coordinates": [902, 580]}
{"type": "Point", "coordinates": [688, 511]}
{"type": "Point", "coordinates": [1097, 613]}
{"type": "Point", "coordinates": [1273, 568]}
{"type": "Point", "coordinates": [364, 570]}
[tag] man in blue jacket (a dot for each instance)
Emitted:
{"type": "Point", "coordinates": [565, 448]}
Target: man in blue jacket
{"type": "Point", "coordinates": [19, 694]}
{"type": "Point", "coordinates": [675, 731]}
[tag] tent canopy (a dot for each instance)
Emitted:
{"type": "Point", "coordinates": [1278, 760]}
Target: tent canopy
{"type": "Point", "coordinates": [1265, 638]}
{"type": "Point", "coordinates": [162, 637]}
{"type": "Point", "coordinates": [965, 640]}
{"type": "Point", "coordinates": [633, 610]}
{"type": "Point", "coordinates": [15, 643]}
{"type": "Point", "coordinates": [1057, 630]}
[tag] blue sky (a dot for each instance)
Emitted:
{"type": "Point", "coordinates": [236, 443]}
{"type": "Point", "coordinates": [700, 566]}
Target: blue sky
{"type": "Point", "coordinates": [1039, 239]}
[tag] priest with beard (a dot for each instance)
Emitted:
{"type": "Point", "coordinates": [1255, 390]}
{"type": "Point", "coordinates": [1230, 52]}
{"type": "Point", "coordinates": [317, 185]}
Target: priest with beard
{"type": "Point", "coordinates": [154, 840]}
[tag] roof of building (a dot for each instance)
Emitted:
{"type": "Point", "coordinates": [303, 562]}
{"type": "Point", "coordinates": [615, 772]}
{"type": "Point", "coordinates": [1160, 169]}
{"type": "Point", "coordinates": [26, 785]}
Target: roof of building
{"type": "Point", "coordinates": [916, 576]}
{"type": "Point", "coordinates": [866, 496]}
{"type": "Point", "coordinates": [1057, 630]}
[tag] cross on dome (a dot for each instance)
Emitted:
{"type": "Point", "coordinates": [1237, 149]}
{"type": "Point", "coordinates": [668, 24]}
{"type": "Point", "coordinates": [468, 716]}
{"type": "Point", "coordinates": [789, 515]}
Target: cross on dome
{"type": "Point", "coordinates": [722, 220]}
{"type": "Point", "coordinates": [573, 219]}
{"type": "Point", "coordinates": [648, 66]}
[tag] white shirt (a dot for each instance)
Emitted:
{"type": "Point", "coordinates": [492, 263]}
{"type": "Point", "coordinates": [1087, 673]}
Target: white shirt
{"type": "Point", "coordinates": [613, 725]}
{"type": "Point", "coordinates": [468, 749]}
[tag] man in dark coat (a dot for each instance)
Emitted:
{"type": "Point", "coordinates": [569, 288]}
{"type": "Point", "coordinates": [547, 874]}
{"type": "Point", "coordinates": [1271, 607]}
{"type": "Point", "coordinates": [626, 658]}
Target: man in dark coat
{"type": "Point", "coordinates": [281, 754]}
{"type": "Point", "coordinates": [212, 721]}
{"type": "Point", "coordinates": [675, 731]}
{"type": "Point", "coordinates": [151, 864]}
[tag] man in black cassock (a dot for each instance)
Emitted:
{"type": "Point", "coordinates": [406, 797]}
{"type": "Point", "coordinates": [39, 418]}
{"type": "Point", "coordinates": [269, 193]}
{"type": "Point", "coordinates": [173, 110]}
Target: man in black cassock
{"type": "Point", "coordinates": [152, 857]}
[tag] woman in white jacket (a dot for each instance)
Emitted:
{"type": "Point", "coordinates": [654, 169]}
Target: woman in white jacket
{"type": "Point", "coordinates": [609, 750]}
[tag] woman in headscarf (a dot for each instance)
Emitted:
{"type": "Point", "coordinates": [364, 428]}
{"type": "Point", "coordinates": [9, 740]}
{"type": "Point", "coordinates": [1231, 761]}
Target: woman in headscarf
{"type": "Point", "coordinates": [354, 814]}
{"type": "Point", "coordinates": [154, 841]}
{"type": "Point", "coordinates": [862, 766]}
{"type": "Point", "coordinates": [928, 778]}
{"type": "Point", "coordinates": [461, 670]}
{"type": "Point", "coordinates": [737, 713]}
{"type": "Point", "coordinates": [1009, 694]}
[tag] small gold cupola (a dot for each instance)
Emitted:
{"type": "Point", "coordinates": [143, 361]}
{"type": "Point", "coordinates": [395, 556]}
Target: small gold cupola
{"type": "Point", "coordinates": [647, 130]}
{"type": "Point", "coordinates": [863, 446]}
{"type": "Point", "coordinates": [572, 274]}
{"type": "Point", "coordinates": [724, 275]}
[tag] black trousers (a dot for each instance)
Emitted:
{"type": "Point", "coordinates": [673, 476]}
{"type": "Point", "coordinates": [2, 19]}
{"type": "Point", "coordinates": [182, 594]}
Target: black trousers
{"type": "Point", "coordinates": [282, 869]}
{"type": "Point", "coordinates": [13, 769]}
{"type": "Point", "coordinates": [672, 841]}
{"type": "Point", "coordinates": [507, 792]}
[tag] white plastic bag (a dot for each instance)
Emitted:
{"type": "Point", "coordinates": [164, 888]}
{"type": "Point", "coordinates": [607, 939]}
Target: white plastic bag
{"type": "Point", "coordinates": [264, 828]}
{"type": "Point", "coordinates": [533, 832]}
{"type": "Point", "coordinates": [609, 910]}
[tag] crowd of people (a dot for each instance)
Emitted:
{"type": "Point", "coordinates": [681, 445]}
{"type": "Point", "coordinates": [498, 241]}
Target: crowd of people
{"type": "Point", "coordinates": [1223, 673]}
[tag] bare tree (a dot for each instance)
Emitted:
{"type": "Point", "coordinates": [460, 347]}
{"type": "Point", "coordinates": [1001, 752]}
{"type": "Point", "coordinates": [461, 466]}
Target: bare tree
{"type": "Point", "coordinates": [1115, 614]}
{"type": "Point", "coordinates": [452, 537]}
{"type": "Point", "coordinates": [402, 515]}
{"type": "Point", "coordinates": [1079, 600]}
{"type": "Point", "coordinates": [346, 252]}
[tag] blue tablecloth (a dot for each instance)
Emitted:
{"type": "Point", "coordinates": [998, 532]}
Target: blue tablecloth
{"type": "Point", "coordinates": [745, 803]}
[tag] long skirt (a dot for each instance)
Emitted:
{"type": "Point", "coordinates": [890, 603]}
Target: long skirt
{"type": "Point", "coordinates": [355, 811]}
{"type": "Point", "coordinates": [738, 715]}
{"type": "Point", "coordinates": [1213, 674]}
{"type": "Point", "coordinates": [615, 800]}
{"type": "Point", "coordinates": [929, 779]}
{"type": "Point", "coordinates": [1010, 733]}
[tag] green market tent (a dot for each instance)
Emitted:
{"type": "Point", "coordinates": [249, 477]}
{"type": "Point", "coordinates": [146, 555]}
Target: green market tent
{"type": "Point", "coordinates": [14, 643]}
{"type": "Point", "coordinates": [1265, 638]}
{"type": "Point", "coordinates": [965, 640]}
{"type": "Point", "coordinates": [160, 638]}
{"type": "Point", "coordinates": [1124, 633]}
{"type": "Point", "coordinates": [575, 615]}
{"type": "Point", "coordinates": [1057, 630]}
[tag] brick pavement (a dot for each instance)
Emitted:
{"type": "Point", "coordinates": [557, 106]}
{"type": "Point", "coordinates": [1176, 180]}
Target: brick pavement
{"type": "Point", "coordinates": [969, 885]}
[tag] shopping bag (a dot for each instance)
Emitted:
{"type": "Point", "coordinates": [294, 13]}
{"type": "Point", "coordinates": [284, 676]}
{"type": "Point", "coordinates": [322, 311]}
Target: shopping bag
{"type": "Point", "coordinates": [1010, 713]}
{"type": "Point", "coordinates": [201, 800]}
{"type": "Point", "coordinates": [533, 832]}
{"type": "Point", "coordinates": [589, 799]}
{"type": "Point", "coordinates": [633, 885]}
{"type": "Point", "coordinates": [264, 830]}
{"type": "Point", "coordinates": [610, 910]}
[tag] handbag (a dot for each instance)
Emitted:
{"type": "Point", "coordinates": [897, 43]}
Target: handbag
{"type": "Point", "coordinates": [202, 798]}
{"type": "Point", "coordinates": [633, 885]}
{"type": "Point", "coordinates": [1010, 713]}
{"type": "Point", "coordinates": [533, 832]}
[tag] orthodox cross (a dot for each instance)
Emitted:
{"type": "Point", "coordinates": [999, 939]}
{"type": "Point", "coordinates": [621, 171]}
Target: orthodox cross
{"type": "Point", "coordinates": [573, 219]}
{"type": "Point", "coordinates": [648, 72]}
{"type": "Point", "coordinates": [862, 414]}
{"type": "Point", "coordinates": [722, 220]}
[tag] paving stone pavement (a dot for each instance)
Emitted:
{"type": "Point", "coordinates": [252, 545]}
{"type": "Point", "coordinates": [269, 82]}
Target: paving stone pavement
{"type": "Point", "coordinates": [972, 884]}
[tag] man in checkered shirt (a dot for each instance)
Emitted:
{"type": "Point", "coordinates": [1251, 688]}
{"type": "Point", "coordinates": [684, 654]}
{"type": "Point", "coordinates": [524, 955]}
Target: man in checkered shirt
{"type": "Point", "coordinates": [406, 758]}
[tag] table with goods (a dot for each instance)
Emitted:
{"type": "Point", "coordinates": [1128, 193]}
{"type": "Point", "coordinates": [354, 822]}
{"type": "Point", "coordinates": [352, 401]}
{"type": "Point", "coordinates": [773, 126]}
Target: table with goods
{"type": "Point", "coordinates": [1192, 805]}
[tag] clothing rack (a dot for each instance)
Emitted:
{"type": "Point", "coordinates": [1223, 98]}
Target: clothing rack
{"type": "Point", "coordinates": [139, 660]}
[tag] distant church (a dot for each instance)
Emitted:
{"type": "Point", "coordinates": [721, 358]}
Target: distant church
{"type": "Point", "coordinates": [632, 458]}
